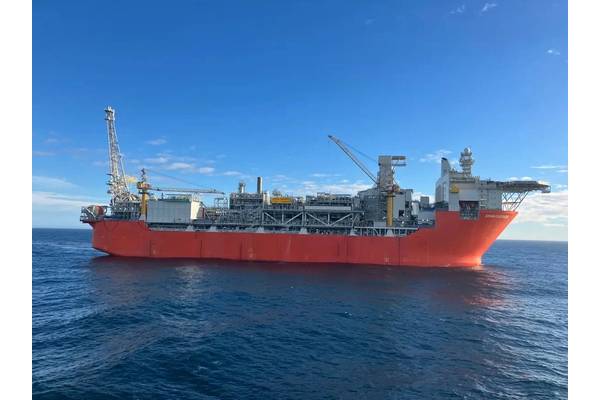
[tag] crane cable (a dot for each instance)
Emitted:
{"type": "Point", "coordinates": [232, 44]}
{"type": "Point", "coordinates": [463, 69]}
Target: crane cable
{"type": "Point", "coordinates": [368, 157]}
{"type": "Point", "coordinates": [361, 153]}
{"type": "Point", "coordinates": [172, 177]}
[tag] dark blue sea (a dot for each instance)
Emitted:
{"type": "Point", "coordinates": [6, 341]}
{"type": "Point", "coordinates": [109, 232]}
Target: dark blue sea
{"type": "Point", "coordinates": [107, 328]}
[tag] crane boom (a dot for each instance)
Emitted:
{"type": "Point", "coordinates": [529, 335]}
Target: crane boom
{"type": "Point", "coordinates": [145, 187]}
{"type": "Point", "coordinates": [349, 153]}
{"type": "Point", "coordinates": [181, 190]}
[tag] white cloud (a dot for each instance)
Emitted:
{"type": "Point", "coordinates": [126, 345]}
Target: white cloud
{"type": "Point", "coordinates": [488, 7]}
{"type": "Point", "coordinates": [523, 178]}
{"type": "Point", "coordinates": [48, 182]}
{"type": "Point", "coordinates": [280, 177]}
{"type": "Point", "coordinates": [553, 52]}
{"type": "Point", "coordinates": [435, 156]}
{"type": "Point", "coordinates": [60, 202]}
{"type": "Point", "coordinates": [180, 166]}
{"type": "Point", "coordinates": [38, 153]}
{"type": "Point", "coordinates": [100, 163]}
{"type": "Point", "coordinates": [204, 170]}
{"type": "Point", "coordinates": [191, 168]}
{"type": "Point", "coordinates": [156, 160]}
{"type": "Point", "coordinates": [52, 209]}
{"type": "Point", "coordinates": [550, 209]}
{"type": "Point", "coordinates": [304, 186]}
{"type": "Point", "coordinates": [323, 175]}
{"type": "Point", "coordinates": [562, 171]}
{"type": "Point", "coordinates": [52, 140]}
{"type": "Point", "coordinates": [459, 10]}
{"type": "Point", "coordinates": [549, 166]}
{"type": "Point", "coordinates": [311, 188]}
{"type": "Point", "coordinates": [156, 142]}
{"type": "Point", "coordinates": [232, 173]}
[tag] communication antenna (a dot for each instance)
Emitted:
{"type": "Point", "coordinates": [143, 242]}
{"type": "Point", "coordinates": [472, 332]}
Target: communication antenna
{"type": "Point", "coordinates": [466, 161]}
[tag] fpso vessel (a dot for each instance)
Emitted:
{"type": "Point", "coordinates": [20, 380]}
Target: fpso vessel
{"type": "Point", "coordinates": [382, 225]}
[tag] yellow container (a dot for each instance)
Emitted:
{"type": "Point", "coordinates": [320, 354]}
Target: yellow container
{"type": "Point", "coordinates": [281, 200]}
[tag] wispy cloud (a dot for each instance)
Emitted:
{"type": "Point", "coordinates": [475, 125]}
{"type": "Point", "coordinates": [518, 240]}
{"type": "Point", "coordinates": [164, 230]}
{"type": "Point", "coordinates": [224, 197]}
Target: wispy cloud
{"type": "Point", "coordinates": [61, 150]}
{"type": "Point", "coordinates": [232, 173]}
{"type": "Point", "coordinates": [279, 178]}
{"type": "Point", "coordinates": [38, 153]}
{"type": "Point", "coordinates": [61, 202]}
{"type": "Point", "coordinates": [459, 10]}
{"type": "Point", "coordinates": [523, 178]}
{"type": "Point", "coordinates": [310, 187]}
{"type": "Point", "coordinates": [156, 160]}
{"type": "Point", "coordinates": [180, 166]}
{"type": "Point", "coordinates": [48, 182]}
{"type": "Point", "coordinates": [323, 175]}
{"type": "Point", "coordinates": [436, 156]}
{"type": "Point", "coordinates": [314, 184]}
{"type": "Point", "coordinates": [100, 163]}
{"type": "Point", "coordinates": [553, 52]}
{"type": "Point", "coordinates": [156, 142]}
{"type": "Point", "coordinates": [52, 140]}
{"type": "Point", "coordinates": [561, 169]}
{"type": "Point", "coordinates": [488, 6]}
{"type": "Point", "coordinates": [549, 166]}
{"type": "Point", "coordinates": [190, 168]}
{"type": "Point", "coordinates": [78, 152]}
{"type": "Point", "coordinates": [204, 170]}
{"type": "Point", "coordinates": [369, 21]}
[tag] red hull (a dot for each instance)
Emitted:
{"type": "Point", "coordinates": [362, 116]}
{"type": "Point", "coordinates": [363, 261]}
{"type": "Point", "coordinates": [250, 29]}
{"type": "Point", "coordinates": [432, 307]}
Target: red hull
{"type": "Point", "coordinates": [453, 242]}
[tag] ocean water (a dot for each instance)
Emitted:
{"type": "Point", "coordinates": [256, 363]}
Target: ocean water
{"type": "Point", "coordinates": [106, 327]}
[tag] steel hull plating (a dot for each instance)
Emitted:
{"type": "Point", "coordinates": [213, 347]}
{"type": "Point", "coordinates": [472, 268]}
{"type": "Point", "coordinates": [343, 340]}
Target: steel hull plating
{"type": "Point", "coordinates": [452, 242]}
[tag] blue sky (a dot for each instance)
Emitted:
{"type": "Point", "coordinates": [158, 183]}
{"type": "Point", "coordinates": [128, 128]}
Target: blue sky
{"type": "Point", "coordinates": [215, 92]}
